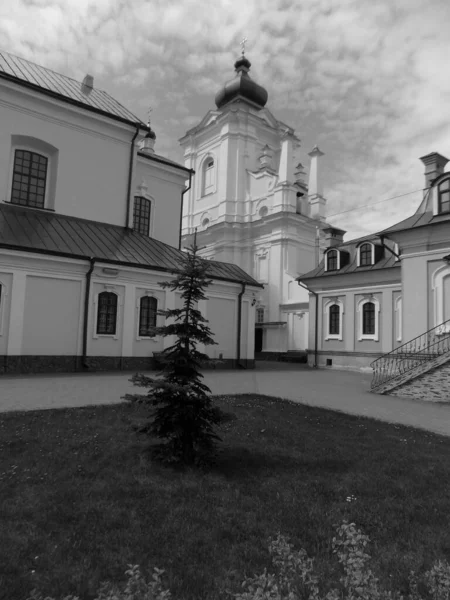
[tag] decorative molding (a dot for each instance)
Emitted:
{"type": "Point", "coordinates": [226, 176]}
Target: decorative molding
{"type": "Point", "coordinates": [398, 308]}
{"type": "Point", "coordinates": [359, 309]}
{"type": "Point", "coordinates": [327, 304]}
{"type": "Point", "coordinates": [3, 296]}
{"type": "Point", "coordinates": [437, 285]}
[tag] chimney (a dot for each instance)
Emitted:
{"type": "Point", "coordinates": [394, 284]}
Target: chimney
{"type": "Point", "coordinates": [333, 236]}
{"type": "Point", "coordinates": [88, 85]}
{"type": "Point", "coordinates": [434, 166]}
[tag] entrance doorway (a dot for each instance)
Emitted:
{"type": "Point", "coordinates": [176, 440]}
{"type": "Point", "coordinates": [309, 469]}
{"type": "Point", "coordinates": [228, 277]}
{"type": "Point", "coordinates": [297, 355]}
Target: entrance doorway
{"type": "Point", "coordinates": [258, 339]}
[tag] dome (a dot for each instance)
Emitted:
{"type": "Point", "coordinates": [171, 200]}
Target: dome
{"type": "Point", "coordinates": [242, 86]}
{"type": "Point", "coordinates": [151, 134]}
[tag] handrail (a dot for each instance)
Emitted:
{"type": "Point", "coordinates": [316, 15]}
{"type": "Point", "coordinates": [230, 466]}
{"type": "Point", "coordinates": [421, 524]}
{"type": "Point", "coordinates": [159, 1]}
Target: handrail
{"type": "Point", "coordinates": [423, 348]}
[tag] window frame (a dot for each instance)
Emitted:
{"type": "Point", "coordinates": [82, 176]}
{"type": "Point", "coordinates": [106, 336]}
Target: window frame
{"type": "Point", "coordinates": [438, 286]}
{"type": "Point", "coordinates": [208, 171]}
{"type": "Point", "coordinates": [398, 311]}
{"type": "Point", "coordinates": [372, 254]}
{"type": "Point", "coordinates": [139, 335]}
{"type": "Point", "coordinates": [41, 154]}
{"type": "Point", "coordinates": [439, 194]}
{"type": "Point", "coordinates": [257, 313]}
{"type": "Point", "coordinates": [328, 304]}
{"type": "Point", "coordinates": [360, 309]}
{"type": "Point", "coordinates": [338, 260]}
{"type": "Point", "coordinates": [150, 205]}
{"type": "Point", "coordinates": [114, 335]}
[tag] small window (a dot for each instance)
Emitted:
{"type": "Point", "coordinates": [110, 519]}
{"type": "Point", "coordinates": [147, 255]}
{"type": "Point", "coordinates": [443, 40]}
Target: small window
{"type": "Point", "coordinates": [365, 255]}
{"type": "Point", "coordinates": [208, 176]}
{"type": "Point", "coordinates": [141, 215]}
{"type": "Point", "coordinates": [263, 211]}
{"type": "Point", "coordinates": [260, 315]}
{"type": "Point", "coordinates": [368, 318]}
{"type": "Point", "coordinates": [332, 260]}
{"type": "Point", "coordinates": [444, 196]}
{"type": "Point", "coordinates": [334, 321]}
{"type": "Point", "coordinates": [107, 313]}
{"type": "Point", "coordinates": [148, 308]}
{"type": "Point", "coordinates": [29, 179]}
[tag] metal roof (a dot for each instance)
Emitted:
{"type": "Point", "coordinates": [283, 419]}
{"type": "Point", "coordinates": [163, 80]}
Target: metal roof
{"type": "Point", "coordinates": [42, 232]}
{"type": "Point", "coordinates": [29, 74]}
{"type": "Point", "coordinates": [418, 220]}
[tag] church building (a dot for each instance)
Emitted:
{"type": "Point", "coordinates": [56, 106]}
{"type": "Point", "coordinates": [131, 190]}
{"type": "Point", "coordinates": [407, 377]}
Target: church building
{"type": "Point", "coordinates": [90, 223]}
{"type": "Point", "coordinates": [252, 207]}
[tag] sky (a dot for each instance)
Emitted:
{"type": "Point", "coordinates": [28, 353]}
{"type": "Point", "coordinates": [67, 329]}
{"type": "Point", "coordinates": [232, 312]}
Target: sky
{"type": "Point", "coordinates": [366, 80]}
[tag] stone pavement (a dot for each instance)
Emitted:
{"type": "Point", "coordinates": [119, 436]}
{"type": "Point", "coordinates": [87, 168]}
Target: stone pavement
{"type": "Point", "coordinates": [344, 391]}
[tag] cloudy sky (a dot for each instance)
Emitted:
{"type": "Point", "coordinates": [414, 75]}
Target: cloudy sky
{"type": "Point", "coordinates": [366, 80]}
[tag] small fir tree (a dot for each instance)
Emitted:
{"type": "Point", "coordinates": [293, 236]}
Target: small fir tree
{"type": "Point", "coordinates": [183, 415]}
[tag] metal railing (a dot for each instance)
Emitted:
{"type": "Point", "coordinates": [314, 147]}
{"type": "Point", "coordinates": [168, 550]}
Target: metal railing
{"type": "Point", "coordinates": [423, 348]}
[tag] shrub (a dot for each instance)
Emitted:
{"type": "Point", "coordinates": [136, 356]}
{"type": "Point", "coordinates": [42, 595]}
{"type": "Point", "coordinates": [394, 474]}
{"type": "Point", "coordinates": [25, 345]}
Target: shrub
{"type": "Point", "coordinates": [295, 578]}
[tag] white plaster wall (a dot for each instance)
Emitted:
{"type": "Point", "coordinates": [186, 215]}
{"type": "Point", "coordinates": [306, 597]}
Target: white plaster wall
{"type": "Point", "coordinates": [5, 309]}
{"type": "Point", "coordinates": [51, 316]}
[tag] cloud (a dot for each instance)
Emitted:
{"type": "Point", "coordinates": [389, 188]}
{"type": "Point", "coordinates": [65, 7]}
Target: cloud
{"type": "Point", "coordinates": [367, 80]}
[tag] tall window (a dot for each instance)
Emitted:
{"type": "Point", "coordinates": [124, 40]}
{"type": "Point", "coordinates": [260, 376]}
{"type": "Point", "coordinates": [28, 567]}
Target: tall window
{"type": "Point", "coordinates": [29, 179]}
{"type": "Point", "coordinates": [141, 215]}
{"type": "Point", "coordinates": [260, 315]}
{"type": "Point", "coordinates": [444, 196]}
{"type": "Point", "coordinates": [365, 255]}
{"type": "Point", "coordinates": [332, 260]}
{"type": "Point", "coordinates": [368, 318]}
{"type": "Point", "coordinates": [208, 176]}
{"type": "Point", "coordinates": [147, 315]}
{"type": "Point", "coordinates": [334, 321]}
{"type": "Point", "coordinates": [107, 313]}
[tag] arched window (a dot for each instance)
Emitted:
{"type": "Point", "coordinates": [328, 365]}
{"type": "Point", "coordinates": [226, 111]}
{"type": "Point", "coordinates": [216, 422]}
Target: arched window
{"type": "Point", "coordinates": [205, 222]}
{"type": "Point", "coordinates": [368, 318]}
{"type": "Point", "coordinates": [260, 315]}
{"type": "Point", "coordinates": [444, 196]}
{"type": "Point", "coordinates": [334, 324]}
{"type": "Point", "coordinates": [141, 215]}
{"type": "Point", "coordinates": [332, 260]}
{"type": "Point", "coordinates": [208, 176]}
{"type": "Point", "coordinates": [29, 179]}
{"type": "Point", "coordinates": [365, 255]}
{"type": "Point", "coordinates": [107, 313]}
{"type": "Point", "coordinates": [148, 307]}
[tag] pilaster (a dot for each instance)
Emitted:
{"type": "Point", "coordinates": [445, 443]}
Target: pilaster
{"type": "Point", "coordinates": [16, 315]}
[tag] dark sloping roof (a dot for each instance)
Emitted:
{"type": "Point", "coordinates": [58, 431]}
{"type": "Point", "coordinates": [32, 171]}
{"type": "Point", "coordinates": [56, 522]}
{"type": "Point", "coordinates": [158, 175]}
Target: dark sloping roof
{"type": "Point", "coordinates": [417, 220]}
{"type": "Point", "coordinates": [47, 81]}
{"type": "Point", "coordinates": [165, 161]}
{"type": "Point", "coordinates": [387, 261]}
{"type": "Point", "coordinates": [49, 233]}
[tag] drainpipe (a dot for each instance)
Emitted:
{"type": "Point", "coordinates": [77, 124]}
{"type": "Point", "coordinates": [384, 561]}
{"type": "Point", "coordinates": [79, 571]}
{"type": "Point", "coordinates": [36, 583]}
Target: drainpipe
{"type": "Point", "coordinates": [130, 174]}
{"type": "Point", "coordinates": [86, 312]}
{"type": "Point", "coordinates": [382, 238]}
{"type": "Point", "coordinates": [316, 324]}
{"type": "Point", "coordinates": [191, 172]}
{"type": "Point", "coordinates": [238, 358]}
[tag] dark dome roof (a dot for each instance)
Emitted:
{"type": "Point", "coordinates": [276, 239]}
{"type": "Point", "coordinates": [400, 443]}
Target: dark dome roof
{"type": "Point", "coordinates": [242, 85]}
{"type": "Point", "coordinates": [151, 134]}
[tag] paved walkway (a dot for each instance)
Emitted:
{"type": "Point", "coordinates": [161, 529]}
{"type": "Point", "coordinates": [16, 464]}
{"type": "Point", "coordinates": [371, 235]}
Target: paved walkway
{"type": "Point", "coordinates": [339, 390]}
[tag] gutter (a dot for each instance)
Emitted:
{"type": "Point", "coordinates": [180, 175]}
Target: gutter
{"type": "Point", "coordinates": [191, 172]}
{"type": "Point", "coordinates": [87, 293]}
{"type": "Point", "coordinates": [130, 174]}
{"type": "Point", "coordinates": [238, 354]}
{"type": "Point", "coordinates": [316, 324]}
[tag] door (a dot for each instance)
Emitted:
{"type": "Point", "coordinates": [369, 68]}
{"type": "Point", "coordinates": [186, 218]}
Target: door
{"type": "Point", "coordinates": [258, 339]}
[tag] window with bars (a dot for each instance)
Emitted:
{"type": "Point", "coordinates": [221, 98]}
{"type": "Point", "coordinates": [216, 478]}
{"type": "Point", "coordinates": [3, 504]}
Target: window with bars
{"type": "Point", "coordinates": [335, 320]}
{"type": "Point", "coordinates": [444, 196]}
{"type": "Point", "coordinates": [29, 179]}
{"type": "Point", "coordinates": [368, 318]}
{"type": "Point", "coordinates": [365, 255]}
{"type": "Point", "coordinates": [332, 260]}
{"type": "Point", "coordinates": [260, 315]}
{"type": "Point", "coordinates": [148, 307]}
{"type": "Point", "coordinates": [141, 215]}
{"type": "Point", "coordinates": [107, 313]}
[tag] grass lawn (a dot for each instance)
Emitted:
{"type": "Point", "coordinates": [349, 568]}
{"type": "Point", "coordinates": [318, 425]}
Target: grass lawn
{"type": "Point", "coordinates": [79, 499]}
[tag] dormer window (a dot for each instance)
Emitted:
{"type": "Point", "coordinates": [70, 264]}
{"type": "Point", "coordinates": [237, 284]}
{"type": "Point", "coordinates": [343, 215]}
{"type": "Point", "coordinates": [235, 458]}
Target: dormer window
{"type": "Point", "coordinates": [208, 176]}
{"type": "Point", "coordinates": [366, 255]}
{"type": "Point", "coordinates": [444, 196]}
{"type": "Point", "coordinates": [332, 260]}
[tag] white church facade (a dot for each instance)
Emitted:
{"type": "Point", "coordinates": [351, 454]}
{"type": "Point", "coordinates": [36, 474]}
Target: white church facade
{"type": "Point", "coordinates": [90, 223]}
{"type": "Point", "coordinates": [251, 206]}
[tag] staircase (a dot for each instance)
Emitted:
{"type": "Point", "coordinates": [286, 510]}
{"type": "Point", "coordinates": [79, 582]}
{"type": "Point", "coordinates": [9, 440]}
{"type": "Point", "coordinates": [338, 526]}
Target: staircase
{"type": "Point", "coordinates": [418, 357]}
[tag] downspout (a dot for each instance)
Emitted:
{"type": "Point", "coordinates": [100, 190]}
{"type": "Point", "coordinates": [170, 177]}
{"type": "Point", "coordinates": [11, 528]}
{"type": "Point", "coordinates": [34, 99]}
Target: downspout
{"type": "Point", "coordinates": [181, 209]}
{"type": "Point", "coordinates": [382, 238]}
{"type": "Point", "coordinates": [87, 293]}
{"type": "Point", "coordinates": [316, 324]}
{"type": "Point", "coordinates": [238, 354]}
{"type": "Point", "coordinates": [130, 174]}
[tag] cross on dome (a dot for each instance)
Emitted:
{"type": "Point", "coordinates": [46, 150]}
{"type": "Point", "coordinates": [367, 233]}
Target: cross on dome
{"type": "Point", "coordinates": [244, 41]}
